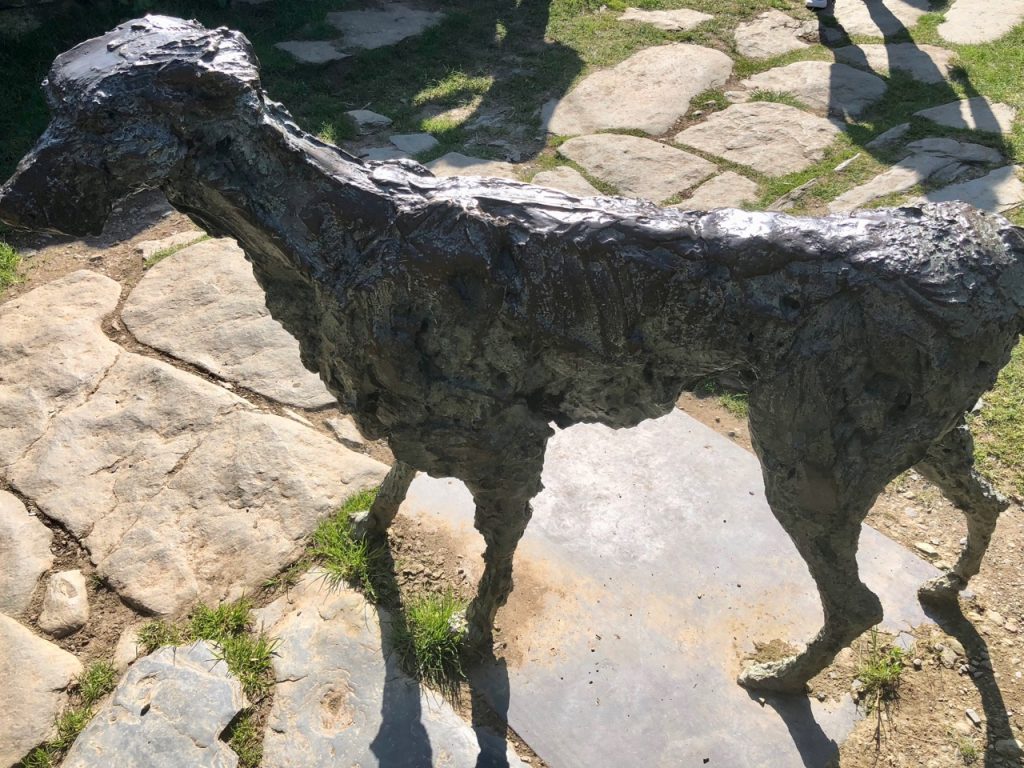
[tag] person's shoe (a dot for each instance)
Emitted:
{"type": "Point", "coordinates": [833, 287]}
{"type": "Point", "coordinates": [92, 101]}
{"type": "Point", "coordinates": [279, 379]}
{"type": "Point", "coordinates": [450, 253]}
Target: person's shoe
{"type": "Point", "coordinates": [816, 5]}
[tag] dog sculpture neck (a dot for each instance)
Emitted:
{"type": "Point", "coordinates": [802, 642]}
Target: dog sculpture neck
{"type": "Point", "coordinates": [459, 317]}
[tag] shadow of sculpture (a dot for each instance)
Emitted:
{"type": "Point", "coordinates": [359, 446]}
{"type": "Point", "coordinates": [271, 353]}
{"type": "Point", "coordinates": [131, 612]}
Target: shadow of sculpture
{"type": "Point", "coordinates": [817, 749]}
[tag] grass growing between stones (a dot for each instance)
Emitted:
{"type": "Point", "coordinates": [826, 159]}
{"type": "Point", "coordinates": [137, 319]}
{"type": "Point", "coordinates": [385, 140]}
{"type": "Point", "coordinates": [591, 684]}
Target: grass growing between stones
{"type": "Point", "coordinates": [163, 253]}
{"type": "Point", "coordinates": [343, 557]}
{"type": "Point", "coordinates": [9, 263]}
{"type": "Point", "coordinates": [428, 639]}
{"type": "Point", "coordinates": [93, 684]}
{"type": "Point", "coordinates": [880, 671]}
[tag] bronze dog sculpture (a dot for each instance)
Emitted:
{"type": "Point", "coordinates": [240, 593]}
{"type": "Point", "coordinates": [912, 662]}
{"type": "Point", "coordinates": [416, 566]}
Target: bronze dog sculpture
{"type": "Point", "coordinates": [459, 317]}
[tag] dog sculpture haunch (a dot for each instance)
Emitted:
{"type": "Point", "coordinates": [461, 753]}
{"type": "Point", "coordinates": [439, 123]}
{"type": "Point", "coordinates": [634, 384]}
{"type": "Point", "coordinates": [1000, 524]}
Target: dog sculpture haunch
{"type": "Point", "coordinates": [458, 318]}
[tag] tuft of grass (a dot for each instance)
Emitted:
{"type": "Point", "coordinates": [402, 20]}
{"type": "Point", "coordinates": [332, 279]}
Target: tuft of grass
{"type": "Point", "coordinates": [344, 558]}
{"type": "Point", "coordinates": [95, 682]}
{"type": "Point", "coordinates": [9, 263]}
{"type": "Point", "coordinates": [735, 403]}
{"type": "Point", "coordinates": [967, 750]}
{"type": "Point", "coordinates": [163, 253]}
{"type": "Point", "coordinates": [246, 652]}
{"type": "Point", "coordinates": [881, 671]}
{"type": "Point", "coordinates": [429, 640]}
{"type": "Point", "coordinates": [246, 740]}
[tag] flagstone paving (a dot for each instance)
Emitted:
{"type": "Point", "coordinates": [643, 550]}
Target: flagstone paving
{"type": "Point", "coordinates": [727, 190]}
{"type": "Point", "coordinates": [773, 33]}
{"type": "Point", "coordinates": [975, 114]}
{"type": "Point", "coordinates": [979, 21]}
{"type": "Point", "coordinates": [997, 191]}
{"type": "Point", "coordinates": [383, 26]}
{"type": "Point", "coordinates": [879, 18]}
{"type": "Point", "coordinates": [678, 20]}
{"type": "Point", "coordinates": [458, 164]}
{"type": "Point", "coordinates": [926, 63]}
{"type": "Point", "coordinates": [567, 180]}
{"type": "Point", "coordinates": [25, 550]}
{"type": "Point", "coordinates": [772, 138]}
{"type": "Point", "coordinates": [836, 89]}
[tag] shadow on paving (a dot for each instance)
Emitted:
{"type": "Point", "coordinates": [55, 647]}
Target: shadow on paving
{"type": "Point", "coordinates": [402, 741]}
{"type": "Point", "coordinates": [909, 93]}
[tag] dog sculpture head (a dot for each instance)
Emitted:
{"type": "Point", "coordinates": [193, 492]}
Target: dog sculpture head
{"type": "Point", "coordinates": [125, 107]}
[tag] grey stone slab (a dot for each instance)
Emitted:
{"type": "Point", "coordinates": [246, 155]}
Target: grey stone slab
{"type": "Point", "coordinates": [385, 25]}
{"type": "Point", "coordinates": [651, 566]}
{"type": "Point", "coordinates": [414, 143]}
{"type": "Point", "coordinates": [879, 18]}
{"type": "Point", "coordinates": [204, 306]}
{"type": "Point", "coordinates": [925, 63]}
{"type": "Point", "coordinates": [678, 20]}
{"type": "Point", "coordinates": [368, 121]}
{"type": "Point", "coordinates": [637, 167]}
{"type": "Point", "coordinates": [24, 554]}
{"type": "Point", "coordinates": [342, 700]}
{"type": "Point", "coordinates": [65, 604]}
{"type": "Point", "coordinates": [168, 711]}
{"type": "Point", "coordinates": [773, 33]}
{"type": "Point", "coordinates": [998, 191]}
{"type": "Point", "coordinates": [889, 137]}
{"type": "Point", "coordinates": [649, 91]}
{"type": "Point", "coordinates": [772, 138]}
{"type": "Point", "coordinates": [33, 676]}
{"type": "Point", "coordinates": [313, 51]}
{"type": "Point", "coordinates": [458, 164]}
{"type": "Point", "coordinates": [149, 248]}
{"type": "Point", "coordinates": [567, 180]}
{"type": "Point", "coordinates": [979, 21]}
{"type": "Point", "coordinates": [976, 114]}
{"type": "Point", "coordinates": [178, 489]}
{"type": "Point", "coordinates": [727, 190]}
{"type": "Point", "coordinates": [833, 88]}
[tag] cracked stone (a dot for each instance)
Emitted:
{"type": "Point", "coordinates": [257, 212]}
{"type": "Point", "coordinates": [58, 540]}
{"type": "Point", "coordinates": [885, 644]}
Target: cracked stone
{"type": "Point", "coordinates": [649, 91]}
{"type": "Point", "coordinates": [345, 429]}
{"type": "Point", "coordinates": [637, 167]}
{"type": "Point", "coordinates": [679, 20]}
{"type": "Point", "coordinates": [179, 489]}
{"type": "Point", "coordinates": [974, 114]}
{"type": "Point", "coordinates": [997, 192]}
{"type": "Point", "coordinates": [24, 554]}
{"type": "Point", "coordinates": [772, 138]}
{"type": "Point", "coordinates": [65, 605]}
{"type": "Point", "coordinates": [149, 248]}
{"type": "Point", "coordinates": [376, 28]}
{"type": "Point", "coordinates": [168, 711]}
{"type": "Point", "coordinates": [567, 180]}
{"type": "Point", "coordinates": [938, 159]}
{"type": "Point", "coordinates": [457, 164]}
{"type": "Point", "coordinates": [973, 21]}
{"type": "Point", "coordinates": [832, 88]}
{"type": "Point", "coordinates": [204, 306]}
{"type": "Point", "coordinates": [341, 698]}
{"type": "Point", "coordinates": [925, 63]}
{"type": "Point", "coordinates": [34, 674]}
{"type": "Point", "coordinates": [773, 33]}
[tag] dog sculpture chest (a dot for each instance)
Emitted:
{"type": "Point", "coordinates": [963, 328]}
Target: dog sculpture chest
{"type": "Point", "coordinates": [458, 318]}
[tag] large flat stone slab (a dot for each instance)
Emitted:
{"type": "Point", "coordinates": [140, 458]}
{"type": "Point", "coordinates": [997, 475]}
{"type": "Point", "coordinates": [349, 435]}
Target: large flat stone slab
{"type": "Point", "coordinates": [773, 33]}
{"type": "Point", "coordinates": [648, 92]}
{"type": "Point", "coordinates": [169, 711]}
{"type": "Point", "coordinates": [879, 18]}
{"type": "Point", "coordinates": [204, 306]}
{"type": "Point", "coordinates": [997, 192]}
{"type": "Point", "coordinates": [567, 180]}
{"type": "Point", "coordinates": [977, 21]}
{"type": "Point", "coordinates": [651, 566]}
{"type": "Point", "coordinates": [974, 114]}
{"type": "Point", "coordinates": [772, 138]}
{"type": "Point", "coordinates": [837, 89]}
{"type": "Point", "coordinates": [637, 167]}
{"type": "Point", "coordinates": [341, 698]}
{"type": "Point", "coordinates": [179, 489]}
{"type": "Point", "coordinates": [458, 164]}
{"type": "Point", "coordinates": [24, 554]}
{"type": "Point", "coordinates": [727, 190]}
{"type": "Point", "coordinates": [385, 25]}
{"type": "Point", "coordinates": [925, 63]}
{"type": "Point", "coordinates": [678, 20]}
{"type": "Point", "coordinates": [33, 676]}
{"type": "Point", "coordinates": [938, 159]}
{"type": "Point", "coordinates": [313, 51]}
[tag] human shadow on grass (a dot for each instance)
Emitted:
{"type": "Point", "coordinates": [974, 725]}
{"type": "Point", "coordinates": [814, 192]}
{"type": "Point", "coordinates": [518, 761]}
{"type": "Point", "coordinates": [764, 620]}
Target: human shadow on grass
{"type": "Point", "coordinates": [402, 740]}
{"type": "Point", "coordinates": [952, 621]}
{"type": "Point", "coordinates": [906, 94]}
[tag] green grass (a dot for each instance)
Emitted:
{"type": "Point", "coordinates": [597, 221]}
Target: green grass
{"type": "Point", "coordinates": [344, 558]}
{"type": "Point", "coordinates": [880, 670]}
{"type": "Point", "coordinates": [999, 428]}
{"type": "Point", "coordinates": [246, 739]}
{"type": "Point", "coordinates": [9, 263]}
{"type": "Point", "coordinates": [163, 253]}
{"type": "Point", "coordinates": [428, 640]}
{"type": "Point", "coordinates": [248, 653]}
{"type": "Point", "coordinates": [967, 750]}
{"type": "Point", "coordinates": [735, 403]}
{"type": "Point", "coordinates": [95, 682]}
